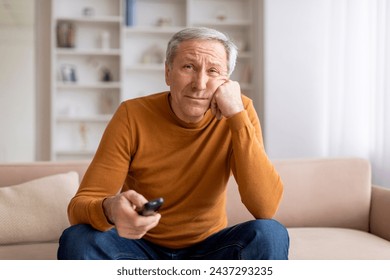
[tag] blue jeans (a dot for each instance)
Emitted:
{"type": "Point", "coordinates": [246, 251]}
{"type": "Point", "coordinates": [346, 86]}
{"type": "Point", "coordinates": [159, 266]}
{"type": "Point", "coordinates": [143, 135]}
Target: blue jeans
{"type": "Point", "coordinates": [252, 240]}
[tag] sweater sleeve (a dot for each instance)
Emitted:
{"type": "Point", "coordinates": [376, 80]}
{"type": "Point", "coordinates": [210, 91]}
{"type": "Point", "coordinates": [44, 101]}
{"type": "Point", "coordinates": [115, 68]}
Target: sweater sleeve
{"type": "Point", "coordinates": [259, 184]}
{"type": "Point", "coordinates": [105, 175]}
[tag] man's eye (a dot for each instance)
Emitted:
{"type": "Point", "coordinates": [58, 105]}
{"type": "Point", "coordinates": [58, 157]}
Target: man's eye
{"type": "Point", "coordinates": [213, 72]}
{"type": "Point", "coordinates": [188, 66]}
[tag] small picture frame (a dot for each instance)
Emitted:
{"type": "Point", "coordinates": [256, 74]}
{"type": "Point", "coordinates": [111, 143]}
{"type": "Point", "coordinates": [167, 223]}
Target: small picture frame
{"type": "Point", "coordinates": [68, 73]}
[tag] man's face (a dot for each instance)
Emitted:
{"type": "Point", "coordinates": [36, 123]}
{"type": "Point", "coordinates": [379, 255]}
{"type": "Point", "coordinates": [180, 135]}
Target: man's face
{"type": "Point", "coordinates": [198, 69]}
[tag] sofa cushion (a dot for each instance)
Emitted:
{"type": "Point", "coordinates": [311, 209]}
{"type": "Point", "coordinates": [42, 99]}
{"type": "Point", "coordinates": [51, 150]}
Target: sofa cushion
{"type": "Point", "coordinates": [325, 193]}
{"type": "Point", "coordinates": [30, 251]}
{"type": "Point", "coordinates": [336, 244]}
{"type": "Point", "coordinates": [36, 211]}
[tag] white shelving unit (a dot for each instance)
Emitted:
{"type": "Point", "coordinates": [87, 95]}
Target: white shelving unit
{"type": "Point", "coordinates": [134, 55]}
{"type": "Point", "coordinates": [86, 76]}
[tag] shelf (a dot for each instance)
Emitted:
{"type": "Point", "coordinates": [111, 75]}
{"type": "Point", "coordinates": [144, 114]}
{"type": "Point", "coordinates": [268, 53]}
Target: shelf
{"type": "Point", "coordinates": [97, 52]}
{"type": "Point", "coordinates": [75, 152]}
{"type": "Point", "coordinates": [102, 85]}
{"type": "Point", "coordinates": [96, 118]}
{"type": "Point", "coordinates": [153, 29]}
{"type": "Point", "coordinates": [92, 19]}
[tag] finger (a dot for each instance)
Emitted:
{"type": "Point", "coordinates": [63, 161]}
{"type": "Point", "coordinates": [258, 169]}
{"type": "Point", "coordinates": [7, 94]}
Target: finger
{"type": "Point", "coordinates": [152, 221]}
{"type": "Point", "coordinates": [139, 226]}
{"type": "Point", "coordinates": [137, 200]}
{"type": "Point", "coordinates": [228, 98]}
{"type": "Point", "coordinates": [144, 222]}
{"type": "Point", "coordinates": [215, 111]}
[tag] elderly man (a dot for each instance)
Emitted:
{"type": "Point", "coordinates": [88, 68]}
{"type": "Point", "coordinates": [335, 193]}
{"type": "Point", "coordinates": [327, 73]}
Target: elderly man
{"type": "Point", "coordinates": [181, 145]}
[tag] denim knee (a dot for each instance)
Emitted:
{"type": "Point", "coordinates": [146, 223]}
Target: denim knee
{"type": "Point", "coordinates": [83, 242]}
{"type": "Point", "coordinates": [267, 239]}
{"type": "Point", "coordinates": [75, 243]}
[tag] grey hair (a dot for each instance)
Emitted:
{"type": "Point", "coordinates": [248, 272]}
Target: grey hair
{"type": "Point", "coordinates": [202, 33]}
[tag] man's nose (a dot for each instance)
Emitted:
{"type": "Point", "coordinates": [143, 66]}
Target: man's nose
{"type": "Point", "coordinates": [199, 80]}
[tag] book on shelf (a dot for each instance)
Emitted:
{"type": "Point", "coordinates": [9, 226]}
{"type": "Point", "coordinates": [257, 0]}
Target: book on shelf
{"type": "Point", "coordinates": [130, 12]}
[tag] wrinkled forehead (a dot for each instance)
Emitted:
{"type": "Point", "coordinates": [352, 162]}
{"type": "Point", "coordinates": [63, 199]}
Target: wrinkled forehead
{"type": "Point", "coordinates": [211, 51]}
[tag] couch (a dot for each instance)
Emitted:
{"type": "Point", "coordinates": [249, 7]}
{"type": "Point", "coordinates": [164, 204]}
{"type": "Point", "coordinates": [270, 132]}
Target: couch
{"type": "Point", "coordinates": [329, 207]}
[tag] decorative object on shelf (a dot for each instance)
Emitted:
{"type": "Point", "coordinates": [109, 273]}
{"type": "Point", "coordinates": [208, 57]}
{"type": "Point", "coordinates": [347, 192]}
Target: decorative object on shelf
{"type": "Point", "coordinates": [130, 12]}
{"type": "Point", "coordinates": [88, 11]}
{"type": "Point", "coordinates": [164, 21]}
{"type": "Point", "coordinates": [221, 14]}
{"type": "Point", "coordinates": [107, 76]}
{"type": "Point", "coordinates": [65, 35]}
{"type": "Point", "coordinates": [68, 73]}
{"type": "Point", "coordinates": [105, 40]}
{"type": "Point", "coordinates": [153, 55]}
{"type": "Point", "coordinates": [83, 130]}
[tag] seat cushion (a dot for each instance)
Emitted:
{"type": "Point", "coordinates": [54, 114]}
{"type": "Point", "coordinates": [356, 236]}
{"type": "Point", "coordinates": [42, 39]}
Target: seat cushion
{"type": "Point", "coordinates": [336, 244]}
{"type": "Point", "coordinates": [33, 251]}
{"type": "Point", "coordinates": [305, 244]}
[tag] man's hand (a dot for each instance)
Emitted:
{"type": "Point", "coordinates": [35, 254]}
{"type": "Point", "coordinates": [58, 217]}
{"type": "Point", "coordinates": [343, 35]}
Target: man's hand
{"type": "Point", "coordinates": [121, 210]}
{"type": "Point", "coordinates": [227, 101]}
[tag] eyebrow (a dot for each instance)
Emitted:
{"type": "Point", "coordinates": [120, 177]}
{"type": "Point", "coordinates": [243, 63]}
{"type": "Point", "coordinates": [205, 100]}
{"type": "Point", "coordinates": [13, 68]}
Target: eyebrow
{"type": "Point", "coordinates": [192, 58]}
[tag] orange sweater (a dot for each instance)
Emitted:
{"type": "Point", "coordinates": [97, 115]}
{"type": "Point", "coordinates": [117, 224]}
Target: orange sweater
{"type": "Point", "coordinates": [186, 164]}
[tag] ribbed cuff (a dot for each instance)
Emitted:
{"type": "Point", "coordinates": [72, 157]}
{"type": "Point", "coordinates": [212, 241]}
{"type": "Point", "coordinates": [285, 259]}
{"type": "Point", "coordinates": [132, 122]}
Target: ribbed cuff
{"type": "Point", "coordinates": [98, 218]}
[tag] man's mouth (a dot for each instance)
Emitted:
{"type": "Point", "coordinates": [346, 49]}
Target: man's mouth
{"type": "Point", "coordinates": [197, 98]}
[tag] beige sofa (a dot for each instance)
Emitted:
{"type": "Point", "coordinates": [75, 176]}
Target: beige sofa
{"type": "Point", "coordinates": [329, 206]}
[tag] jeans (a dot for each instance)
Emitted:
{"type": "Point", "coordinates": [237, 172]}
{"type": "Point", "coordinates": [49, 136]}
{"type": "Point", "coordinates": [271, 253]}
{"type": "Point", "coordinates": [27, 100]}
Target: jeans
{"type": "Point", "coordinates": [252, 240]}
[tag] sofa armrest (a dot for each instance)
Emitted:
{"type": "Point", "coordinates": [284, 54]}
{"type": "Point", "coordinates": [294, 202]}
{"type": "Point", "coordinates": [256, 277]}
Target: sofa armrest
{"type": "Point", "coordinates": [380, 212]}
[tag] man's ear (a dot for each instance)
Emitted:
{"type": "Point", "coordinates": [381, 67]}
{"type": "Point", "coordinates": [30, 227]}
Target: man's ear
{"type": "Point", "coordinates": [167, 74]}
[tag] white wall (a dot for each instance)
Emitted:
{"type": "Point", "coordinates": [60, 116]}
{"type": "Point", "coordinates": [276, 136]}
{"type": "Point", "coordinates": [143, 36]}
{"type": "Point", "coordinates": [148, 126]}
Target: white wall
{"type": "Point", "coordinates": [295, 43]}
{"type": "Point", "coordinates": [17, 94]}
